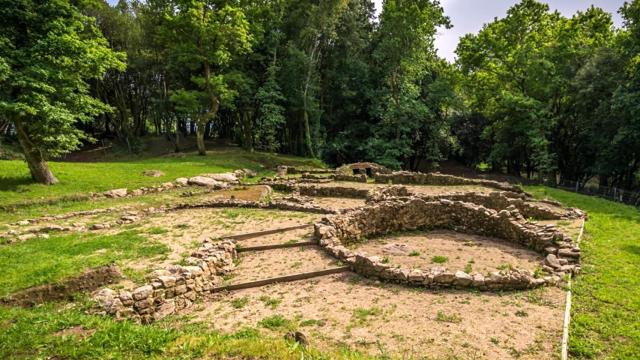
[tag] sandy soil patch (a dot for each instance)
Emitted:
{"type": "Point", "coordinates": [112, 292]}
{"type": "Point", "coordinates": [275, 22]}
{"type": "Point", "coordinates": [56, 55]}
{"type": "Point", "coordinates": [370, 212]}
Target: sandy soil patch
{"type": "Point", "coordinates": [184, 230]}
{"type": "Point", "coordinates": [248, 193]}
{"type": "Point", "coordinates": [455, 251]}
{"type": "Point", "coordinates": [337, 203]}
{"type": "Point", "coordinates": [383, 319]}
{"type": "Point", "coordinates": [292, 236]}
{"type": "Point", "coordinates": [260, 265]}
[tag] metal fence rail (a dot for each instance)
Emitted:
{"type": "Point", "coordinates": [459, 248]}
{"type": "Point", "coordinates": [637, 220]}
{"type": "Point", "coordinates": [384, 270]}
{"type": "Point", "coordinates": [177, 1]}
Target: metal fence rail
{"type": "Point", "coordinates": [610, 193]}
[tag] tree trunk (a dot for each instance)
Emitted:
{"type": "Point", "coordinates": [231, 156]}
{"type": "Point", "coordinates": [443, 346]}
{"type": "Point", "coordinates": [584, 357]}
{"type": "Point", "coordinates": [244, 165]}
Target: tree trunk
{"type": "Point", "coordinates": [201, 125]}
{"type": "Point", "coordinates": [307, 132]}
{"type": "Point", "coordinates": [39, 169]}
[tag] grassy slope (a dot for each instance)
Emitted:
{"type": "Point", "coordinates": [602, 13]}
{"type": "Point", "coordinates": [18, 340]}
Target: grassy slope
{"type": "Point", "coordinates": [606, 303]}
{"type": "Point", "coordinates": [17, 187]}
{"type": "Point", "coordinates": [43, 261]}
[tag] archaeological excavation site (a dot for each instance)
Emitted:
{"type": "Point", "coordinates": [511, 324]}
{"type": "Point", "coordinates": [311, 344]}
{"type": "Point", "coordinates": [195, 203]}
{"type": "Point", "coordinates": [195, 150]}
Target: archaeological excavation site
{"type": "Point", "coordinates": [385, 262]}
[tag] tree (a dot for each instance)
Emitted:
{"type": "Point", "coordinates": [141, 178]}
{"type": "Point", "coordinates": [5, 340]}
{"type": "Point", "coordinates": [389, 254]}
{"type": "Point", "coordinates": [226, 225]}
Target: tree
{"type": "Point", "coordinates": [404, 58]}
{"type": "Point", "coordinates": [346, 85]}
{"type": "Point", "coordinates": [519, 75]}
{"type": "Point", "coordinates": [204, 37]}
{"type": "Point", "coordinates": [48, 52]}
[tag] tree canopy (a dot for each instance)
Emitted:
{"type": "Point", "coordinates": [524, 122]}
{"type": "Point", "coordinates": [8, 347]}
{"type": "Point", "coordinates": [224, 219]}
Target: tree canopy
{"type": "Point", "coordinates": [533, 93]}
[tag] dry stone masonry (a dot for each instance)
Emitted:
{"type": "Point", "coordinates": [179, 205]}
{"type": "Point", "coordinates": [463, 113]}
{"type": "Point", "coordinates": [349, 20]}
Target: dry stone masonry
{"type": "Point", "coordinates": [336, 233]}
{"type": "Point", "coordinates": [497, 200]}
{"type": "Point", "coordinates": [417, 178]}
{"type": "Point", "coordinates": [174, 288]}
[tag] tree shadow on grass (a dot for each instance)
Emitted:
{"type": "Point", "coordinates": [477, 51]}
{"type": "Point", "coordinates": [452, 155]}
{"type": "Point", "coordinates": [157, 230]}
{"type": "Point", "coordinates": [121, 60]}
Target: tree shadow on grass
{"type": "Point", "coordinates": [9, 183]}
{"type": "Point", "coordinates": [632, 249]}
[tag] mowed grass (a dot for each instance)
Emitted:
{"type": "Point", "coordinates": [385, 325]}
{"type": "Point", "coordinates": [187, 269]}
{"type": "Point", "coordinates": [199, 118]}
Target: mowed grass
{"type": "Point", "coordinates": [605, 322]}
{"type": "Point", "coordinates": [42, 261]}
{"type": "Point", "coordinates": [17, 187]}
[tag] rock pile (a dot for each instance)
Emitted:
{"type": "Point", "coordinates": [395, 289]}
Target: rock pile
{"type": "Point", "coordinates": [362, 178]}
{"type": "Point", "coordinates": [364, 168]}
{"type": "Point", "coordinates": [207, 182]}
{"type": "Point", "coordinates": [338, 232]}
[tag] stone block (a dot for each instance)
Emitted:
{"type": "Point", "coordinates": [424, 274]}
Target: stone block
{"type": "Point", "coordinates": [142, 292]}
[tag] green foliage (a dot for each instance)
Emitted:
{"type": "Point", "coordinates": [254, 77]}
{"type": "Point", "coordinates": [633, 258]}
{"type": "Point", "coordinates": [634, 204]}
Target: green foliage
{"type": "Point", "coordinates": [81, 178]}
{"type": "Point", "coordinates": [439, 259]}
{"type": "Point", "coordinates": [49, 51]}
{"type": "Point", "coordinates": [450, 318]}
{"type": "Point", "coordinates": [38, 333]}
{"type": "Point", "coordinates": [239, 303]}
{"type": "Point", "coordinates": [271, 113]}
{"type": "Point", "coordinates": [48, 54]}
{"type": "Point", "coordinates": [410, 80]}
{"type": "Point", "coordinates": [554, 95]}
{"type": "Point", "coordinates": [275, 322]}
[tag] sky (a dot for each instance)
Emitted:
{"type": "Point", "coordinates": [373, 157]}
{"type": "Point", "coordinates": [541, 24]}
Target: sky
{"type": "Point", "coordinates": [468, 16]}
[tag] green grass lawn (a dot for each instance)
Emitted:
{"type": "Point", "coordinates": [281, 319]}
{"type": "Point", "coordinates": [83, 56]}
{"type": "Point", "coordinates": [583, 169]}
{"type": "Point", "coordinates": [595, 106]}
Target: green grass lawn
{"type": "Point", "coordinates": [16, 186]}
{"type": "Point", "coordinates": [605, 321]}
{"type": "Point", "coordinates": [42, 261]}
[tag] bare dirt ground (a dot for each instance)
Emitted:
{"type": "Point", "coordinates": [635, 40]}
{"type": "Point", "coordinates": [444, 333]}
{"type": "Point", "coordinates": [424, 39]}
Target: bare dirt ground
{"type": "Point", "coordinates": [287, 237]}
{"type": "Point", "coordinates": [384, 319]}
{"type": "Point", "coordinates": [338, 203]}
{"type": "Point", "coordinates": [278, 262]}
{"type": "Point", "coordinates": [183, 231]}
{"type": "Point", "coordinates": [462, 251]}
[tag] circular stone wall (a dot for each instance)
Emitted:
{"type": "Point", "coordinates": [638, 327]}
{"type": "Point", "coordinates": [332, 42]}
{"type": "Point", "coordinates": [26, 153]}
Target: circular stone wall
{"type": "Point", "coordinates": [335, 234]}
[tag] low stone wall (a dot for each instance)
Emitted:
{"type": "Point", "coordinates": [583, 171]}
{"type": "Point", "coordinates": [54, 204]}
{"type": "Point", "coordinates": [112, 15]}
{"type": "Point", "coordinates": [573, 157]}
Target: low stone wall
{"type": "Point", "coordinates": [280, 184]}
{"type": "Point", "coordinates": [290, 170]}
{"type": "Point", "coordinates": [273, 205]}
{"type": "Point", "coordinates": [362, 178]}
{"type": "Point", "coordinates": [407, 177]}
{"type": "Point", "coordinates": [333, 191]}
{"type": "Point", "coordinates": [172, 289]}
{"type": "Point", "coordinates": [499, 200]}
{"type": "Point", "coordinates": [335, 233]}
{"type": "Point", "coordinates": [90, 280]}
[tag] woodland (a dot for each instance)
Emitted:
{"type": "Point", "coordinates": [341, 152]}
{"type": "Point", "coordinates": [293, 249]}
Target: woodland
{"type": "Point", "coordinates": [534, 93]}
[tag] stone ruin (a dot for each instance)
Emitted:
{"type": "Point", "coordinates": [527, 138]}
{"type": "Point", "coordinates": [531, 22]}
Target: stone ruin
{"type": "Point", "coordinates": [174, 288]}
{"type": "Point", "coordinates": [339, 232]}
{"type": "Point", "coordinates": [368, 169]}
{"type": "Point", "coordinates": [417, 178]}
{"type": "Point", "coordinates": [501, 214]}
{"type": "Point", "coordinates": [497, 200]}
